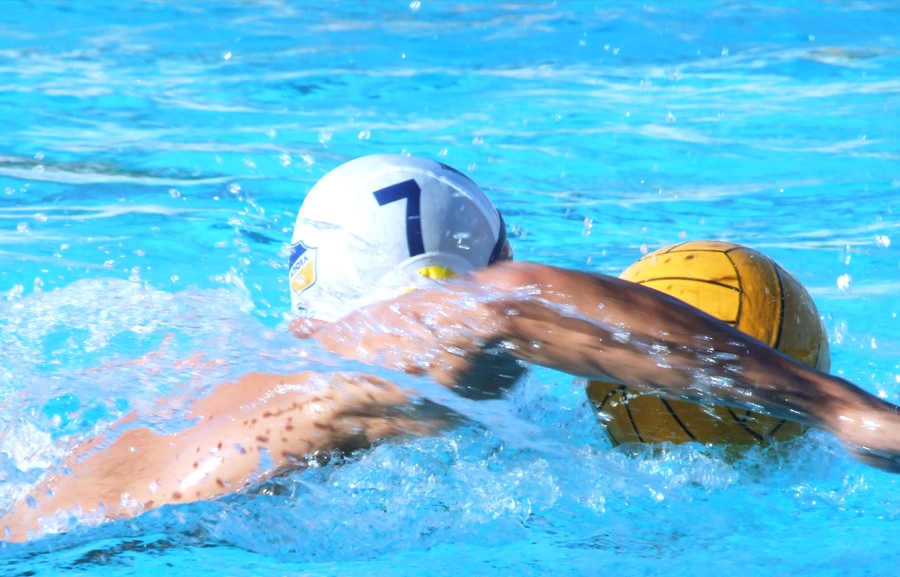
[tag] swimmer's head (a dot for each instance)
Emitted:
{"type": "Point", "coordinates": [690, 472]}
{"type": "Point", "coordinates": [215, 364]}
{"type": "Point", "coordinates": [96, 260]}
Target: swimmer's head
{"type": "Point", "coordinates": [383, 224]}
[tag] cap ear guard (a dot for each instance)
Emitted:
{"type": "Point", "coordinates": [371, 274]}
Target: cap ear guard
{"type": "Point", "coordinates": [437, 272]}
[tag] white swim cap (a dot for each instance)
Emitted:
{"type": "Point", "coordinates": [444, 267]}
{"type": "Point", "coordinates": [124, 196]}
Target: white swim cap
{"type": "Point", "coordinates": [380, 224]}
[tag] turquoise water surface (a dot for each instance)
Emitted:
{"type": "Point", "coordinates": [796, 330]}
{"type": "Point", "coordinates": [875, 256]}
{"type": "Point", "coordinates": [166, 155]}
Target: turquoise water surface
{"type": "Point", "coordinates": [152, 159]}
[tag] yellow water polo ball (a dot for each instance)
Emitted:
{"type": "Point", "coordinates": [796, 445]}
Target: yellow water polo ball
{"type": "Point", "coordinates": [743, 288]}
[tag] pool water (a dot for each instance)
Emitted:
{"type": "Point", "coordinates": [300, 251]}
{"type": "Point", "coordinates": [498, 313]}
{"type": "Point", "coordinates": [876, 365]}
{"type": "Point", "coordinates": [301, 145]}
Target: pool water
{"type": "Point", "coordinates": [154, 154]}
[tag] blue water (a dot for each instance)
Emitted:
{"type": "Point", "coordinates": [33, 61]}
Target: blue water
{"type": "Point", "coordinates": [152, 159]}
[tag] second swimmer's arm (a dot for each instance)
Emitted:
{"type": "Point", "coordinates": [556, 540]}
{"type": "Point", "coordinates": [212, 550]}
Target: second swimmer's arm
{"type": "Point", "coordinates": [602, 327]}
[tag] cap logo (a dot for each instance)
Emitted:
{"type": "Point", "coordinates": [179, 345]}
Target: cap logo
{"type": "Point", "coordinates": [302, 273]}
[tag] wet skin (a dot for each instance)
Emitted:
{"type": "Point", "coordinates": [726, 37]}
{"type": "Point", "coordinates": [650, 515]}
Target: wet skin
{"type": "Point", "coordinates": [463, 335]}
{"type": "Point", "coordinates": [639, 337]}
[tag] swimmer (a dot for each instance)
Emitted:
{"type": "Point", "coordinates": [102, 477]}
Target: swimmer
{"type": "Point", "coordinates": [363, 285]}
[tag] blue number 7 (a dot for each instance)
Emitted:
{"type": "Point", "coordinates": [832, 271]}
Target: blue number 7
{"type": "Point", "coordinates": [409, 190]}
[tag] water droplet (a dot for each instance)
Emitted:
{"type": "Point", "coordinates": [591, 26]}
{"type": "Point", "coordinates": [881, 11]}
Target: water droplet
{"type": "Point", "coordinates": [38, 169]}
{"type": "Point", "coordinates": [442, 152]}
{"type": "Point", "coordinates": [843, 282]}
{"type": "Point", "coordinates": [248, 162]}
{"type": "Point", "coordinates": [284, 160]}
{"type": "Point", "coordinates": [109, 263]}
{"type": "Point", "coordinates": [173, 192]}
{"type": "Point", "coordinates": [508, 345]}
{"type": "Point", "coordinates": [643, 249]}
{"type": "Point", "coordinates": [477, 141]}
{"type": "Point", "coordinates": [234, 188]}
{"type": "Point", "coordinates": [364, 135]}
{"type": "Point", "coordinates": [582, 42]}
{"type": "Point", "coordinates": [415, 5]}
{"type": "Point", "coordinates": [620, 335]}
{"type": "Point", "coordinates": [173, 278]}
{"type": "Point", "coordinates": [588, 225]}
{"type": "Point", "coordinates": [670, 117]}
{"type": "Point", "coordinates": [724, 52]}
{"type": "Point", "coordinates": [812, 38]}
{"type": "Point", "coordinates": [40, 217]}
{"type": "Point", "coordinates": [324, 137]}
{"type": "Point", "coordinates": [15, 292]}
{"type": "Point", "coordinates": [227, 56]}
{"type": "Point", "coordinates": [39, 156]}
{"type": "Point", "coordinates": [22, 227]}
{"type": "Point", "coordinates": [882, 241]}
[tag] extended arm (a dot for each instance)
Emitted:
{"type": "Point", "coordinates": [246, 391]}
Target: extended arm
{"type": "Point", "coordinates": [601, 327]}
{"type": "Point", "coordinates": [286, 418]}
